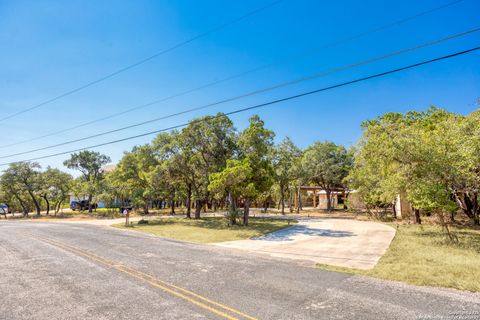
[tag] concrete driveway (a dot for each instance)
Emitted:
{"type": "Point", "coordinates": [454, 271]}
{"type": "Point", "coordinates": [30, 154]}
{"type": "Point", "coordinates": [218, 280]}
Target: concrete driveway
{"type": "Point", "coordinates": [340, 242]}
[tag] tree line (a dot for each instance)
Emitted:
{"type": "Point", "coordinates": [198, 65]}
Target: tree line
{"type": "Point", "coordinates": [431, 158]}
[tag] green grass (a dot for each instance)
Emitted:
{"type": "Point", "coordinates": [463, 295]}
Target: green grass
{"type": "Point", "coordinates": [421, 255]}
{"type": "Point", "coordinates": [208, 230]}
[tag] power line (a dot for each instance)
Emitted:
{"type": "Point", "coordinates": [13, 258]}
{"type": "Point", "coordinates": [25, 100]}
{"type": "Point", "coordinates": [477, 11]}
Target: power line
{"type": "Point", "coordinates": [285, 84]}
{"type": "Point", "coordinates": [140, 62]}
{"type": "Point", "coordinates": [238, 75]}
{"type": "Point", "coordinates": [219, 115]}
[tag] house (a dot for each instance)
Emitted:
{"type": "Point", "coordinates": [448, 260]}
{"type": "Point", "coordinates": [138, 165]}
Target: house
{"type": "Point", "coordinates": [317, 197]}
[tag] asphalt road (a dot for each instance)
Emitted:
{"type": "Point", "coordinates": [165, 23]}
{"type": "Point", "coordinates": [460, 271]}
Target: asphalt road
{"type": "Point", "coordinates": [66, 271]}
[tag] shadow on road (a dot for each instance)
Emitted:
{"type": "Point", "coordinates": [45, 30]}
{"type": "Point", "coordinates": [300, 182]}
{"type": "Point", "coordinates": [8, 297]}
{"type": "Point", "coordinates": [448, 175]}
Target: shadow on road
{"type": "Point", "coordinates": [289, 233]}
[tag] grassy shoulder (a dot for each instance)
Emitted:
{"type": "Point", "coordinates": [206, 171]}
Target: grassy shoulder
{"type": "Point", "coordinates": [208, 230]}
{"type": "Point", "coordinates": [421, 255]}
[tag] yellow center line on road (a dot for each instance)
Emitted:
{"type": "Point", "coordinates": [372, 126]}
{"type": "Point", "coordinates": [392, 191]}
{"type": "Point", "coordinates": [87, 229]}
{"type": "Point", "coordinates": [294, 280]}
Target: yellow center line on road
{"type": "Point", "coordinates": [165, 286]}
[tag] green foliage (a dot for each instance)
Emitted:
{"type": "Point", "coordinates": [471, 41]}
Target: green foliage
{"type": "Point", "coordinates": [431, 156]}
{"type": "Point", "coordinates": [285, 162]}
{"type": "Point", "coordinates": [55, 186]}
{"type": "Point", "coordinates": [24, 185]}
{"type": "Point", "coordinates": [255, 146]}
{"type": "Point", "coordinates": [134, 176]}
{"type": "Point", "coordinates": [326, 165]}
{"type": "Point", "coordinates": [23, 181]}
{"type": "Point", "coordinates": [232, 216]}
{"type": "Point", "coordinates": [235, 179]}
{"type": "Point", "coordinates": [89, 163]}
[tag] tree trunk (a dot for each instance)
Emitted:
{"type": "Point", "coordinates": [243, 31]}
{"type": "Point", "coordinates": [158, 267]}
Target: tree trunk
{"type": "Point", "coordinates": [345, 198]}
{"type": "Point", "coordinates": [189, 201]}
{"type": "Point", "coordinates": [172, 207]}
{"type": "Point", "coordinates": [57, 207]}
{"type": "Point", "coordinates": [35, 202]}
{"type": "Point", "coordinates": [299, 201]}
{"type": "Point", "coordinates": [475, 209]}
{"type": "Point", "coordinates": [282, 199]}
{"type": "Point", "coordinates": [246, 212]}
{"type": "Point", "coordinates": [329, 200]}
{"type": "Point", "coordinates": [231, 202]}
{"type": "Point", "coordinates": [90, 197]}
{"type": "Point", "coordinates": [47, 202]}
{"type": "Point", "coordinates": [198, 208]}
{"type": "Point", "coordinates": [231, 209]}
{"type": "Point", "coordinates": [291, 200]}
{"type": "Point", "coordinates": [145, 208]}
{"type": "Point", "coordinates": [24, 207]}
{"type": "Point", "coordinates": [417, 219]}
{"type": "Point", "coordinates": [469, 205]}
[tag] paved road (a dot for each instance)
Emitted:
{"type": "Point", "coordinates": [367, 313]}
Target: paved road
{"type": "Point", "coordinates": [342, 242]}
{"type": "Point", "coordinates": [66, 271]}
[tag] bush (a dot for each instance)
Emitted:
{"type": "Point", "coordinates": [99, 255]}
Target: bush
{"type": "Point", "coordinates": [232, 216]}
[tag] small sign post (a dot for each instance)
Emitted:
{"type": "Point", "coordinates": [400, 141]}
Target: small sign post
{"type": "Point", "coordinates": [127, 216]}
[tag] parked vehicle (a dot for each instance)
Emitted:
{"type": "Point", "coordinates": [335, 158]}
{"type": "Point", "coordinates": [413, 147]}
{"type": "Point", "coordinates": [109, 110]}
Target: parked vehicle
{"type": "Point", "coordinates": [129, 208]}
{"type": "Point", "coordinates": [81, 205]}
{"type": "Point", "coordinates": [127, 204]}
{"type": "Point", "coordinates": [5, 208]}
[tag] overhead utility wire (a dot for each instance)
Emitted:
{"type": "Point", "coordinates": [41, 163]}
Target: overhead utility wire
{"type": "Point", "coordinates": [377, 75]}
{"type": "Point", "coordinates": [285, 84]}
{"type": "Point", "coordinates": [140, 62]}
{"type": "Point", "coordinates": [238, 75]}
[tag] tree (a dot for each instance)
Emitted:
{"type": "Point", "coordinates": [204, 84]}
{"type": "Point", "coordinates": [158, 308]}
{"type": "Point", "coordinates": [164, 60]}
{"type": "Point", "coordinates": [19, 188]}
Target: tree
{"type": "Point", "coordinates": [89, 163]}
{"type": "Point", "coordinates": [22, 180]}
{"type": "Point", "coordinates": [206, 145]}
{"type": "Point", "coordinates": [255, 148]}
{"type": "Point", "coordinates": [13, 193]}
{"type": "Point", "coordinates": [54, 186]}
{"type": "Point", "coordinates": [327, 165]}
{"type": "Point", "coordinates": [135, 171]}
{"type": "Point", "coordinates": [174, 176]}
{"type": "Point", "coordinates": [466, 185]}
{"type": "Point", "coordinates": [110, 192]}
{"type": "Point", "coordinates": [236, 180]}
{"type": "Point", "coordinates": [431, 157]}
{"type": "Point", "coordinates": [285, 158]}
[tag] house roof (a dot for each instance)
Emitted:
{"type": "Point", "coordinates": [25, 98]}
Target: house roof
{"type": "Point", "coordinates": [320, 190]}
{"type": "Point", "coordinates": [109, 168]}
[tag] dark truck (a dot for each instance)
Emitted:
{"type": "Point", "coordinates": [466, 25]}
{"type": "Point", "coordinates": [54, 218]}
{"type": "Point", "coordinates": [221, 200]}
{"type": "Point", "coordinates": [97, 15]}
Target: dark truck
{"type": "Point", "coordinates": [81, 205]}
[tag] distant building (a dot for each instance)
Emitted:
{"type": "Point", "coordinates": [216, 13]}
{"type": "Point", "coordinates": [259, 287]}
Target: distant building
{"type": "Point", "coordinates": [319, 198]}
{"type": "Point", "coordinates": [109, 168]}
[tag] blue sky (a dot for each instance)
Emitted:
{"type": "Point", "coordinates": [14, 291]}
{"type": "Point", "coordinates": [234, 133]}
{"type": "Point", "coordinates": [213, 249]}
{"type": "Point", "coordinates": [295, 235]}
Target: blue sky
{"type": "Point", "coordinates": [49, 47]}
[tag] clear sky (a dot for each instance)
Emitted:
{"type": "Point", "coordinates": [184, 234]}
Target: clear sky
{"type": "Point", "coordinates": [50, 47]}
